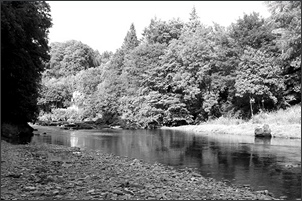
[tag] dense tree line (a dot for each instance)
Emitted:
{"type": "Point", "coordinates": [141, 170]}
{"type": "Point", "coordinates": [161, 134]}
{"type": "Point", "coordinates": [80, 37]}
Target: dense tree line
{"type": "Point", "coordinates": [181, 72]}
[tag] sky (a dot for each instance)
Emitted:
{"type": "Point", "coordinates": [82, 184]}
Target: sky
{"type": "Point", "coordinates": [103, 25]}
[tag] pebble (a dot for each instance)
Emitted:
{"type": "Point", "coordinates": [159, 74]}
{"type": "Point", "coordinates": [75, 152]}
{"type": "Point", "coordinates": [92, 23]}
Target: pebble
{"type": "Point", "coordinates": [91, 191]}
{"type": "Point", "coordinates": [37, 193]}
{"type": "Point", "coordinates": [118, 192]}
{"type": "Point", "coordinates": [55, 192]}
{"type": "Point", "coordinates": [30, 188]}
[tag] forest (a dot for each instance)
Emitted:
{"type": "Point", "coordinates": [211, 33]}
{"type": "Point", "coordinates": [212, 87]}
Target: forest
{"type": "Point", "coordinates": [178, 73]}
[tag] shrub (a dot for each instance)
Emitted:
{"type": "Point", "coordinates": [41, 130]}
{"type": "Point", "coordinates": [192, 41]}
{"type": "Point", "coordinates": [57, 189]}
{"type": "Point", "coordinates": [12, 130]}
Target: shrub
{"type": "Point", "coordinates": [62, 114]}
{"type": "Point", "coordinates": [291, 115]}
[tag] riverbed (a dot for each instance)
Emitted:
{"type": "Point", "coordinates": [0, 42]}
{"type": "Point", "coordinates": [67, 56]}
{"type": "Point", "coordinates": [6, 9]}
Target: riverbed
{"type": "Point", "coordinates": [261, 164]}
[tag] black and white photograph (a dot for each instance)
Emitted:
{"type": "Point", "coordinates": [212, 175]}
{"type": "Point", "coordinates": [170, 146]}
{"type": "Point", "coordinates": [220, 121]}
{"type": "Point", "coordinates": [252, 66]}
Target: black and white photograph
{"type": "Point", "coordinates": [150, 100]}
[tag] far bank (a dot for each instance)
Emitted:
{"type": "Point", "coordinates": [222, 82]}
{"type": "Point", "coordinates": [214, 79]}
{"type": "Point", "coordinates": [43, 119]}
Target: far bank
{"type": "Point", "coordinates": [292, 131]}
{"type": "Point", "coordinates": [283, 124]}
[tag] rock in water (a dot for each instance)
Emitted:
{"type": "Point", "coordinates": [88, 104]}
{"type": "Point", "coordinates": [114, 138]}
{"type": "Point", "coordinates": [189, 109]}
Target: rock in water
{"type": "Point", "coordinates": [258, 131]}
{"type": "Point", "coordinates": [265, 131]}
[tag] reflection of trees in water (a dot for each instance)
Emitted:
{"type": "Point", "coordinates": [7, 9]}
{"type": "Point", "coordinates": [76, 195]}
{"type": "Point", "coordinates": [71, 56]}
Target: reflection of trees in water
{"type": "Point", "coordinates": [46, 139]}
{"type": "Point", "coordinates": [265, 141]}
{"type": "Point", "coordinates": [42, 139]}
{"type": "Point", "coordinates": [246, 163]}
{"type": "Point", "coordinates": [194, 148]}
{"type": "Point", "coordinates": [60, 140]}
{"type": "Point", "coordinates": [160, 145]}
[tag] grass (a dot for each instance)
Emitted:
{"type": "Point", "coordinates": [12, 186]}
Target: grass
{"type": "Point", "coordinates": [283, 123]}
{"type": "Point", "coordinates": [226, 121]}
{"type": "Point", "coordinates": [290, 115]}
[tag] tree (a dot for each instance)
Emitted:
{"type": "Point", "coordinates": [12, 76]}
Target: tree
{"type": "Point", "coordinates": [140, 65]}
{"type": "Point", "coordinates": [286, 19]}
{"type": "Point", "coordinates": [55, 93]}
{"type": "Point", "coordinates": [105, 57]}
{"type": "Point", "coordinates": [162, 32]}
{"type": "Point", "coordinates": [194, 21]}
{"type": "Point", "coordinates": [24, 48]}
{"type": "Point", "coordinates": [193, 15]}
{"type": "Point", "coordinates": [70, 57]}
{"type": "Point", "coordinates": [259, 79]}
{"type": "Point", "coordinates": [185, 68]}
{"type": "Point", "coordinates": [130, 41]}
{"type": "Point", "coordinates": [251, 30]}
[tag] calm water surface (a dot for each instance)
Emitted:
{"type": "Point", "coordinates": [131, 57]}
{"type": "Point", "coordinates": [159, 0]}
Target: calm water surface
{"type": "Point", "coordinates": [273, 165]}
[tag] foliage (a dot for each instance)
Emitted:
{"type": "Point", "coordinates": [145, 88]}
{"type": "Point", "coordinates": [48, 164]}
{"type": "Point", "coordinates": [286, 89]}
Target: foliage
{"type": "Point", "coordinates": [286, 19]}
{"type": "Point", "coordinates": [181, 72]}
{"type": "Point", "coordinates": [251, 31]}
{"type": "Point", "coordinates": [24, 48]}
{"type": "Point", "coordinates": [70, 57]}
{"type": "Point", "coordinates": [86, 81]}
{"type": "Point", "coordinates": [259, 77]}
{"type": "Point", "coordinates": [104, 57]}
{"type": "Point", "coordinates": [130, 41]}
{"type": "Point", "coordinates": [140, 65]}
{"type": "Point", "coordinates": [162, 32]}
{"type": "Point", "coordinates": [62, 114]}
{"type": "Point", "coordinates": [55, 93]}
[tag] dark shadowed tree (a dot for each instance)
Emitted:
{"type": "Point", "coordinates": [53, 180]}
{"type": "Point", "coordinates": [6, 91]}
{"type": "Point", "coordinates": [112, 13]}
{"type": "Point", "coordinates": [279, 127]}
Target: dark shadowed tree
{"type": "Point", "coordinates": [24, 48]}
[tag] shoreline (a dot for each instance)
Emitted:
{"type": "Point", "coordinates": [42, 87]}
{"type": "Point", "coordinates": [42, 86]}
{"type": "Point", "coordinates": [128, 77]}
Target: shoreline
{"type": "Point", "coordinates": [291, 131]}
{"type": "Point", "coordinates": [49, 171]}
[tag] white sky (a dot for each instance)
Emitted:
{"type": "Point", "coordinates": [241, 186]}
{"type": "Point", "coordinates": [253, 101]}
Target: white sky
{"type": "Point", "coordinates": [103, 25]}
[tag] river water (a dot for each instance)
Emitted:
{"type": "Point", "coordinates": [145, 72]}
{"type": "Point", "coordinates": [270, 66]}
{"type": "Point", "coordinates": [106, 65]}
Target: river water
{"type": "Point", "coordinates": [271, 164]}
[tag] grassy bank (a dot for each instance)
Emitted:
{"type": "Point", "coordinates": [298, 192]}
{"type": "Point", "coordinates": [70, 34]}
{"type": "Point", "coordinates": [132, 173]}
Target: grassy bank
{"type": "Point", "coordinates": [52, 172]}
{"type": "Point", "coordinates": [283, 123]}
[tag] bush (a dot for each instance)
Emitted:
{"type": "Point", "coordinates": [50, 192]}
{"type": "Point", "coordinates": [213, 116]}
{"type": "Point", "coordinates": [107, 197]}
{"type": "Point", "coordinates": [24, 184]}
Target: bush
{"type": "Point", "coordinates": [61, 114]}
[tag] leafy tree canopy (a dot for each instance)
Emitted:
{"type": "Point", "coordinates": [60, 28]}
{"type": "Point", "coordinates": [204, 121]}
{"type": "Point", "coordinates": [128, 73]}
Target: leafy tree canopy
{"type": "Point", "coordinates": [70, 57]}
{"type": "Point", "coordinates": [162, 32]}
{"type": "Point", "coordinates": [286, 19]}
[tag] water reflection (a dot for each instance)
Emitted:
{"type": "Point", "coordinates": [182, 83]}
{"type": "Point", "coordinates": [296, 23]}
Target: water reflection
{"type": "Point", "coordinates": [264, 141]}
{"type": "Point", "coordinates": [265, 164]}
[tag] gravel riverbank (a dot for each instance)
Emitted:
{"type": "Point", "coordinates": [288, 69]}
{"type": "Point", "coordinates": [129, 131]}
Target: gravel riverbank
{"type": "Point", "coordinates": [52, 172]}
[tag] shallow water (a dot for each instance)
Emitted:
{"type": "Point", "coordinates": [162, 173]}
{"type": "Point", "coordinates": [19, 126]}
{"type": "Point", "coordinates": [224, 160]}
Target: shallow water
{"type": "Point", "coordinates": [273, 165]}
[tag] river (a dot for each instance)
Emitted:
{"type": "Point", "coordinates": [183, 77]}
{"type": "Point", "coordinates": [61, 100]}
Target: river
{"type": "Point", "coordinates": [262, 164]}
